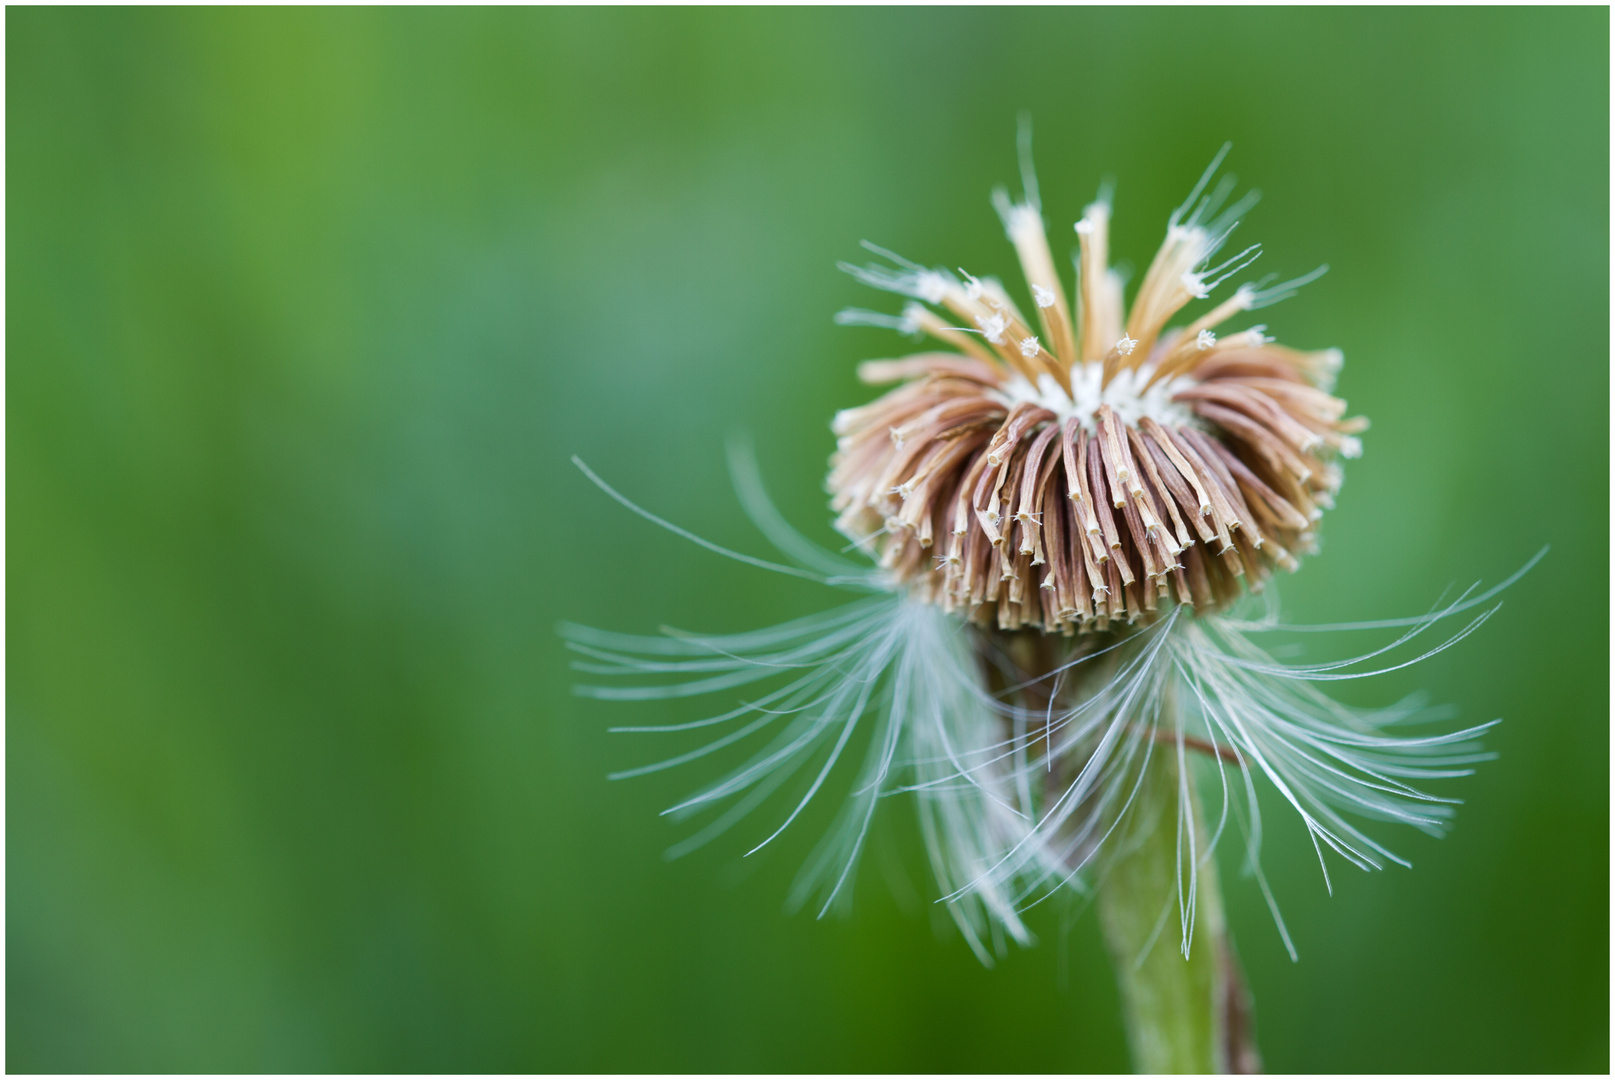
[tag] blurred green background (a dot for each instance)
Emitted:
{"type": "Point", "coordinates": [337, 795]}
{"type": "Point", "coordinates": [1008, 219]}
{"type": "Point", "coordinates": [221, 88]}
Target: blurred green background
{"type": "Point", "coordinates": [308, 309]}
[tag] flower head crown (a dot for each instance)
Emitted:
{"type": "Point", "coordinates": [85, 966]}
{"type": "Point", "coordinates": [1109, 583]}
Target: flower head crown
{"type": "Point", "coordinates": [1098, 466]}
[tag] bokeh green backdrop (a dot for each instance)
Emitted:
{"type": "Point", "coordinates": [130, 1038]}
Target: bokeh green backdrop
{"type": "Point", "coordinates": [308, 309]}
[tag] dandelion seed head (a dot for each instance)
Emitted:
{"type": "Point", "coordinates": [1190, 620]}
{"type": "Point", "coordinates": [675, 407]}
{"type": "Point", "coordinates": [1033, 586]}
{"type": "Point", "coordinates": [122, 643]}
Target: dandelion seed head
{"type": "Point", "coordinates": [1063, 514]}
{"type": "Point", "coordinates": [1183, 468]}
{"type": "Point", "coordinates": [1193, 465]}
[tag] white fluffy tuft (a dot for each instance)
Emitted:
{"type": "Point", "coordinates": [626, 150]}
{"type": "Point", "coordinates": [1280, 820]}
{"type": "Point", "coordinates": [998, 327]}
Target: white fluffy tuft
{"type": "Point", "coordinates": [1017, 804]}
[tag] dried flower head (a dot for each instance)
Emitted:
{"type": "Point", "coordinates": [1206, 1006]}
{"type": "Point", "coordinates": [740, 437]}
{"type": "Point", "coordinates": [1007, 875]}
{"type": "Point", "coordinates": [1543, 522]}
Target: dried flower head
{"type": "Point", "coordinates": [1105, 467]}
{"type": "Point", "coordinates": [1062, 509]}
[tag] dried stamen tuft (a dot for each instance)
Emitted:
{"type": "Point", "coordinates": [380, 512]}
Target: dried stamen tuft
{"type": "Point", "coordinates": [1134, 467]}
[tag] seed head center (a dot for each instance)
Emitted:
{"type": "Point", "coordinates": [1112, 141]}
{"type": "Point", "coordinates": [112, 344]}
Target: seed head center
{"type": "Point", "coordinates": [1127, 392]}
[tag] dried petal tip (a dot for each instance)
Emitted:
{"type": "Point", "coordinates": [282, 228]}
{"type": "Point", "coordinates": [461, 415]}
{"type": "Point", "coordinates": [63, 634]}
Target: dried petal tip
{"type": "Point", "coordinates": [993, 327]}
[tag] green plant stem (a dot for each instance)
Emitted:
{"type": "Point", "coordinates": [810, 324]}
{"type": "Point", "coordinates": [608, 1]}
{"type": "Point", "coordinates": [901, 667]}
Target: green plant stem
{"type": "Point", "coordinates": [1183, 1015]}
